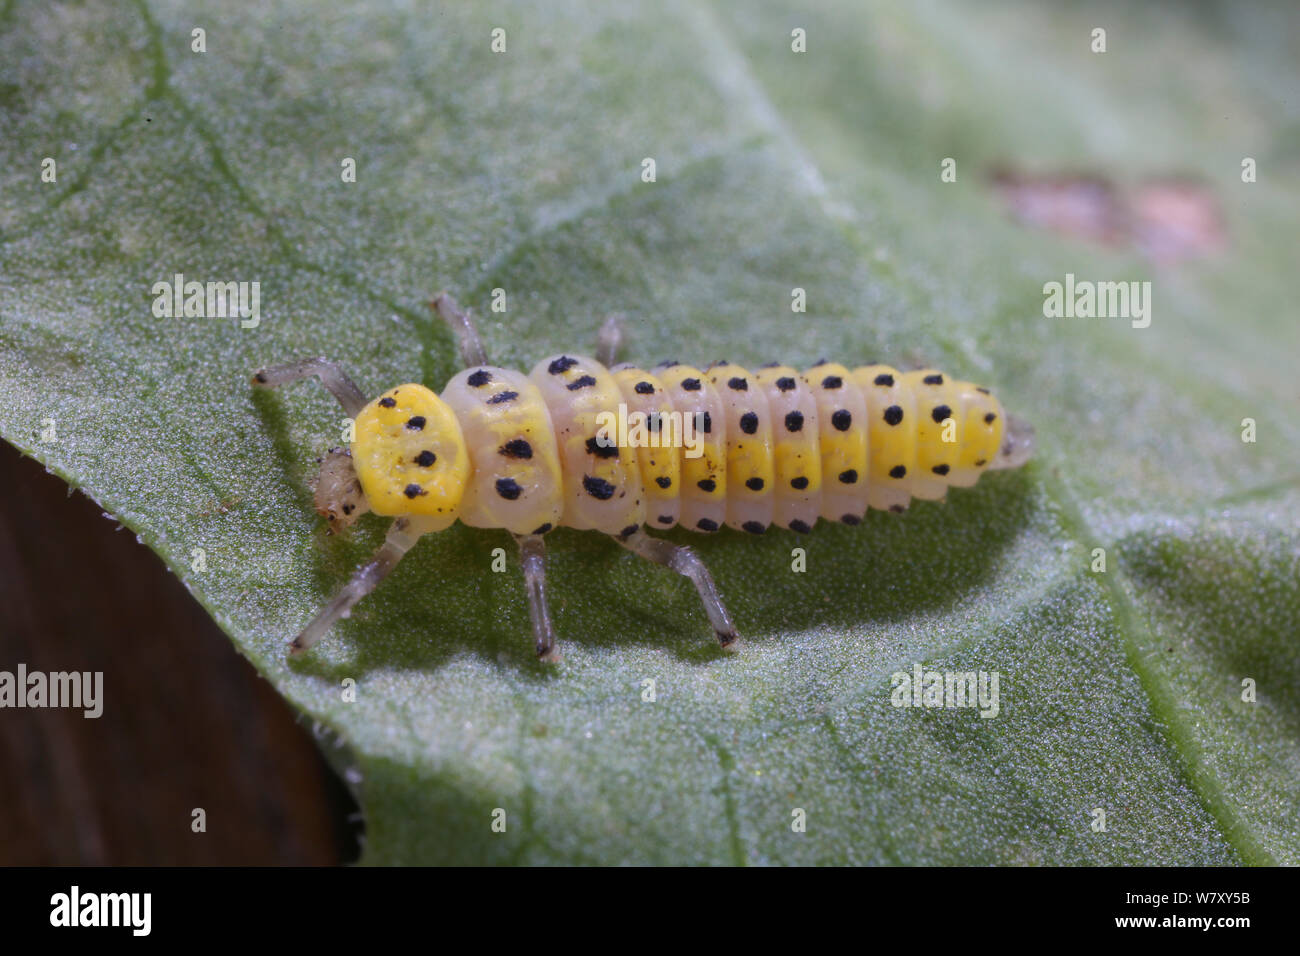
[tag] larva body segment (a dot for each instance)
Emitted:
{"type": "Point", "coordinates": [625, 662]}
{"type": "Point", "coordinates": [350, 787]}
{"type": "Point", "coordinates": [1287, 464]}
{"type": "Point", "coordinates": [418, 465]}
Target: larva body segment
{"type": "Point", "coordinates": [891, 429]}
{"type": "Point", "coordinates": [654, 431]}
{"type": "Point", "coordinates": [797, 463]}
{"type": "Point", "coordinates": [517, 482]}
{"type": "Point", "coordinates": [981, 438]}
{"type": "Point", "coordinates": [939, 416]}
{"type": "Point", "coordinates": [602, 483]}
{"type": "Point", "coordinates": [703, 485]}
{"type": "Point", "coordinates": [750, 465]}
{"type": "Point", "coordinates": [842, 437]}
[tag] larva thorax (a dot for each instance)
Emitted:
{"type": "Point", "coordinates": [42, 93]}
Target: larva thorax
{"type": "Point", "coordinates": [528, 453]}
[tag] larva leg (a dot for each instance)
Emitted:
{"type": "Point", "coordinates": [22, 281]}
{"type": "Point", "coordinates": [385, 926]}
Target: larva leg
{"type": "Point", "coordinates": [532, 556]}
{"type": "Point", "coordinates": [608, 340]}
{"type": "Point", "coordinates": [462, 326]}
{"type": "Point", "coordinates": [686, 562]}
{"type": "Point", "coordinates": [331, 375]}
{"type": "Point", "coordinates": [403, 533]}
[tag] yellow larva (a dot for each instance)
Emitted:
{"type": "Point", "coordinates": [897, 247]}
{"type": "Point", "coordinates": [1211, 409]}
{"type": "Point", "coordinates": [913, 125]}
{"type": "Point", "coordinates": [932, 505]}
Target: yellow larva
{"type": "Point", "coordinates": [531, 452]}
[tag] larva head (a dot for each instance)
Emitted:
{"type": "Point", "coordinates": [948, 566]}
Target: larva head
{"type": "Point", "coordinates": [1017, 445]}
{"type": "Point", "coordinates": [338, 494]}
{"type": "Point", "coordinates": [410, 456]}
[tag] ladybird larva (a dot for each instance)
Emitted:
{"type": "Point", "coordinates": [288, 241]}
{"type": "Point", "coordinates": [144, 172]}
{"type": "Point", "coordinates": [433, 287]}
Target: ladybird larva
{"type": "Point", "coordinates": [724, 446]}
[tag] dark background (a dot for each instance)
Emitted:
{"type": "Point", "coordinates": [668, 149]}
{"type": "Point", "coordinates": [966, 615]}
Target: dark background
{"type": "Point", "coordinates": [187, 722]}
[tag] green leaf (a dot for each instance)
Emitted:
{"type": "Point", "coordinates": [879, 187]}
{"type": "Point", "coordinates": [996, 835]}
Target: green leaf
{"type": "Point", "coordinates": [1119, 690]}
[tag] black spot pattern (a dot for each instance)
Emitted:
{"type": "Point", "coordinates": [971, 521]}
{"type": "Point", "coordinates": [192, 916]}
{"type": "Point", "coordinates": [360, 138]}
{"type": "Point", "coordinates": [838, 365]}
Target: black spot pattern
{"type": "Point", "coordinates": [594, 447]}
{"type": "Point", "coordinates": [425, 459]}
{"type": "Point", "coordinates": [480, 378]}
{"type": "Point", "coordinates": [785, 383]}
{"type": "Point", "coordinates": [501, 397]}
{"type": "Point", "coordinates": [663, 481]}
{"type": "Point", "coordinates": [586, 381]}
{"type": "Point", "coordinates": [990, 418]}
{"type": "Point", "coordinates": [543, 529]}
{"type": "Point", "coordinates": [941, 414]}
{"type": "Point", "coordinates": [692, 384]}
{"type": "Point", "coordinates": [707, 485]}
{"type": "Point", "coordinates": [898, 471]}
{"type": "Point", "coordinates": [707, 524]}
{"type": "Point", "coordinates": [387, 402]}
{"type": "Point", "coordinates": [738, 384]}
{"type": "Point", "coordinates": [561, 365]}
{"type": "Point", "coordinates": [842, 419]}
{"type": "Point", "coordinates": [665, 519]}
{"type": "Point", "coordinates": [413, 491]}
{"type": "Point", "coordinates": [516, 448]}
{"type": "Point", "coordinates": [794, 421]}
{"type": "Point", "coordinates": [598, 488]}
{"type": "Point", "coordinates": [800, 526]}
{"type": "Point", "coordinates": [832, 381]}
{"type": "Point", "coordinates": [799, 482]}
{"type": "Point", "coordinates": [848, 477]}
{"type": "Point", "coordinates": [415, 423]}
{"type": "Point", "coordinates": [508, 488]}
{"type": "Point", "coordinates": [933, 380]}
{"type": "Point", "coordinates": [628, 531]}
{"type": "Point", "coordinates": [754, 484]}
{"type": "Point", "coordinates": [708, 422]}
{"type": "Point", "coordinates": [940, 469]}
{"type": "Point", "coordinates": [749, 423]}
{"type": "Point", "coordinates": [754, 527]}
{"type": "Point", "coordinates": [644, 388]}
{"type": "Point", "coordinates": [893, 415]}
{"type": "Point", "coordinates": [885, 379]}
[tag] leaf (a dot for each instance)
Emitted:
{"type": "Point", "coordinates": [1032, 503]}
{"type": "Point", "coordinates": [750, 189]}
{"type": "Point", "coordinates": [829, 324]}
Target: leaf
{"type": "Point", "coordinates": [1120, 690]}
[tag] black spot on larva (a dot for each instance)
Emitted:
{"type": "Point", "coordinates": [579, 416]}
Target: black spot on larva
{"type": "Point", "coordinates": [594, 447]}
{"type": "Point", "coordinates": [516, 448]}
{"type": "Point", "coordinates": [387, 402]}
{"type": "Point", "coordinates": [832, 381]}
{"type": "Point", "coordinates": [754, 484]}
{"type": "Point", "coordinates": [990, 418]}
{"type": "Point", "coordinates": [885, 379]}
{"type": "Point", "coordinates": [800, 526]}
{"type": "Point", "coordinates": [981, 389]}
{"type": "Point", "coordinates": [708, 422]}
{"type": "Point", "coordinates": [598, 488]}
{"type": "Point", "coordinates": [893, 415]}
{"type": "Point", "coordinates": [480, 378]}
{"type": "Point", "coordinates": [981, 463]}
{"type": "Point", "coordinates": [848, 477]}
{"type": "Point", "coordinates": [941, 413]}
{"type": "Point", "coordinates": [754, 527]}
{"type": "Point", "coordinates": [585, 381]}
{"type": "Point", "coordinates": [654, 421]}
{"type": "Point", "coordinates": [800, 482]}
{"type": "Point", "coordinates": [707, 484]}
{"type": "Point", "coordinates": [850, 519]}
{"type": "Point", "coordinates": [691, 384]}
{"type": "Point", "coordinates": [543, 529]}
{"type": "Point", "coordinates": [940, 469]}
{"type": "Point", "coordinates": [413, 491]}
{"type": "Point", "coordinates": [665, 519]}
{"type": "Point", "coordinates": [933, 380]}
{"type": "Point", "coordinates": [415, 423]}
{"type": "Point", "coordinates": [749, 423]}
{"type": "Point", "coordinates": [707, 524]}
{"type": "Point", "coordinates": [786, 383]}
{"type": "Point", "coordinates": [644, 388]}
{"type": "Point", "coordinates": [425, 459]}
{"type": "Point", "coordinates": [561, 365]}
{"type": "Point", "coordinates": [794, 421]}
{"type": "Point", "coordinates": [738, 384]}
{"type": "Point", "coordinates": [898, 471]}
{"type": "Point", "coordinates": [502, 397]}
{"type": "Point", "coordinates": [628, 531]}
{"type": "Point", "coordinates": [842, 420]}
{"type": "Point", "coordinates": [663, 481]}
{"type": "Point", "coordinates": [508, 488]}
{"type": "Point", "coordinates": [897, 509]}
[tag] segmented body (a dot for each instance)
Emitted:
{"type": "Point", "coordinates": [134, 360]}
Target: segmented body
{"type": "Point", "coordinates": [527, 453]}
